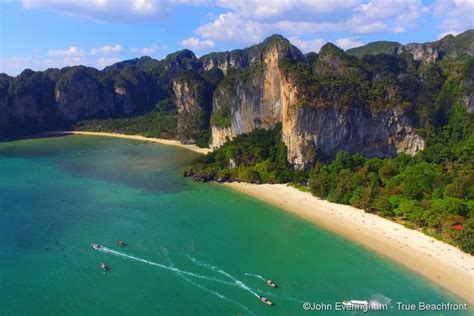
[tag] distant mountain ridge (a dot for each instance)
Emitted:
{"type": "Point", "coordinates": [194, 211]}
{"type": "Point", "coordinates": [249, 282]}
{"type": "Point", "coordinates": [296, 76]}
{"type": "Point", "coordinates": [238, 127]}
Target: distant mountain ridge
{"type": "Point", "coordinates": [447, 46]}
{"type": "Point", "coordinates": [378, 104]}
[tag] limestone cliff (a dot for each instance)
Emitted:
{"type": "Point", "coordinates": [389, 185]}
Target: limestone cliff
{"type": "Point", "coordinates": [264, 94]}
{"type": "Point", "coordinates": [78, 96]}
{"type": "Point", "coordinates": [375, 103]}
{"type": "Point", "coordinates": [236, 59]}
{"type": "Point", "coordinates": [193, 105]}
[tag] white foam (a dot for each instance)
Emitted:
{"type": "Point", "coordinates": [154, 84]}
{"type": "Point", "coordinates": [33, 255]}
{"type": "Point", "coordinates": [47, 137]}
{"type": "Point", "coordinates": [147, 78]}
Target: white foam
{"type": "Point", "coordinates": [176, 270]}
{"type": "Point", "coordinates": [256, 275]}
{"type": "Point", "coordinates": [237, 282]}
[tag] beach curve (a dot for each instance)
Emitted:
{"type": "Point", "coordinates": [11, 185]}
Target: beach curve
{"type": "Point", "coordinates": [439, 262]}
{"type": "Point", "coordinates": [169, 142]}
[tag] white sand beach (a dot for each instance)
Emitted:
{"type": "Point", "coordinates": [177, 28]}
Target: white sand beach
{"type": "Point", "coordinates": [163, 141]}
{"type": "Point", "coordinates": [437, 261]}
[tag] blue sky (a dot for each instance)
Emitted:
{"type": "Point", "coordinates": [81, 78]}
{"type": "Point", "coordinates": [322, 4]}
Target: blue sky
{"type": "Point", "coordinates": [40, 34]}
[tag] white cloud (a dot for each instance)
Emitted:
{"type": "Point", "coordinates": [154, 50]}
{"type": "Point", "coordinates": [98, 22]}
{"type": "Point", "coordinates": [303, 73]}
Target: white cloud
{"type": "Point", "coordinates": [307, 46]}
{"type": "Point", "coordinates": [71, 52]}
{"type": "Point", "coordinates": [455, 15]}
{"type": "Point", "coordinates": [265, 9]}
{"type": "Point", "coordinates": [250, 21]}
{"type": "Point", "coordinates": [107, 49]}
{"type": "Point", "coordinates": [350, 42]}
{"type": "Point", "coordinates": [14, 65]}
{"type": "Point", "coordinates": [386, 16]}
{"type": "Point", "coordinates": [454, 33]}
{"type": "Point", "coordinates": [193, 2]}
{"type": "Point", "coordinates": [122, 11]}
{"type": "Point", "coordinates": [197, 44]}
{"type": "Point", "coordinates": [106, 61]}
{"type": "Point", "coordinates": [119, 11]}
{"type": "Point", "coordinates": [149, 51]}
{"type": "Point", "coordinates": [230, 27]}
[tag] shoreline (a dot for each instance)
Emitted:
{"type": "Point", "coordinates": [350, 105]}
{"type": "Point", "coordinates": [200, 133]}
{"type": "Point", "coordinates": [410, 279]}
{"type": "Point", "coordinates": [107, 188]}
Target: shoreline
{"type": "Point", "coordinates": [439, 262]}
{"type": "Point", "coordinates": [169, 142]}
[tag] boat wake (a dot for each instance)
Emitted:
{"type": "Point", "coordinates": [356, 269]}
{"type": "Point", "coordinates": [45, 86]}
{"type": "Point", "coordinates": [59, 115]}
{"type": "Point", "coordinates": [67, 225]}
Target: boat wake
{"type": "Point", "coordinates": [187, 275]}
{"type": "Point", "coordinates": [170, 268]}
{"type": "Point", "coordinates": [242, 285]}
{"type": "Point", "coordinates": [219, 295]}
{"type": "Point", "coordinates": [236, 281]}
{"type": "Point", "coordinates": [256, 275]}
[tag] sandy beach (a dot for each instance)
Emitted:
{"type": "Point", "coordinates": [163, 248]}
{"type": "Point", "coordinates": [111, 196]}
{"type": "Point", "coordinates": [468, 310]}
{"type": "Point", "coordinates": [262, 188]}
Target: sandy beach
{"type": "Point", "coordinates": [437, 261]}
{"type": "Point", "coordinates": [169, 142]}
{"type": "Point", "coordinates": [443, 264]}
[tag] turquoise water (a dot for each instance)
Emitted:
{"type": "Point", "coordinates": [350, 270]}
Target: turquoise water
{"type": "Point", "coordinates": [193, 249]}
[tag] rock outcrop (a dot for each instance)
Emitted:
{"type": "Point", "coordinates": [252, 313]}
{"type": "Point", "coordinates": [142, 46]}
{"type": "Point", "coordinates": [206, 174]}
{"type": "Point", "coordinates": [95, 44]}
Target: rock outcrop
{"type": "Point", "coordinates": [373, 103]}
{"type": "Point", "coordinates": [264, 95]}
{"type": "Point", "coordinates": [193, 105]}
{"type": "Point", "coordinates": [78, 96]}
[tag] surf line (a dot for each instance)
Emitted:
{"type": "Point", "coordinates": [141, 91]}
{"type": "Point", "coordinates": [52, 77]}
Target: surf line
{"type": "Point", "coordinates": [176, 270]}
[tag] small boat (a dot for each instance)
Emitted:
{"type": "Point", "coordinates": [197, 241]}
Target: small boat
{"type": "Point", "coordinates": [270, 283]}
{"type": "Point", "coordinates": [96, 246]}
{"type": "Point", "coordinates": [104, 267]}
{"type": "Point", "coordinates": [265, 300]}
{"type": "Point", "coordinates": [374, 305]}
{"type": "Point", "coordinates": [121, 243]}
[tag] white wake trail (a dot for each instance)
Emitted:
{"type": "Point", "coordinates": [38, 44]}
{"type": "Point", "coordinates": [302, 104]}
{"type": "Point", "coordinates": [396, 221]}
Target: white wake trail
{"type": "Point", "coordinates": [256, 275]}
{"type": "Point", "coordinates": [236, 281]}
{"type": "Point", "coordinates": [241, 284]}
{"type": "Point", "coordinates": [219, 295]}
{"type": "Point", "coordinates": [176, 270]}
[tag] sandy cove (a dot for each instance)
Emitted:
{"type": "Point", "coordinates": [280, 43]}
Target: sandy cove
{"type": "Point", "coordinates": [163, 141]}
{"type": "Point", "coordinates": [437, 261]}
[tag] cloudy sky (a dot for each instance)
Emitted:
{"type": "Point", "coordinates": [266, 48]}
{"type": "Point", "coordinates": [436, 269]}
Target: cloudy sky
{"type": "Point", "coordinates": [40, 34]}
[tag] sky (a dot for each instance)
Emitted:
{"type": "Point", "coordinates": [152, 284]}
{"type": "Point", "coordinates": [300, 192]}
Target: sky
{"type": "Point", "coordinates": [41, 34]}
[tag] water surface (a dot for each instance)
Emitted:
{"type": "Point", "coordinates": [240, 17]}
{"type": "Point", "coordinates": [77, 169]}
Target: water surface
{"type": "Point", "coordinates": [193, 249]}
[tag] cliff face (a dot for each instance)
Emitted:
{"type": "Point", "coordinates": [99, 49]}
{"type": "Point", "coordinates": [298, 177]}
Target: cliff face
{"type": "Point", "coordinates": [374, 104]}
{"type": "Point", "coordinates": [78, 96]}
{"type": "Point", "coordinates": [327, 131]}
{"type": "Point", "coordinates": [226, 61]}
{"type": "Point", "coordinates": [262, 96]}
{"type": "Point", "coordinates": [193, 106]}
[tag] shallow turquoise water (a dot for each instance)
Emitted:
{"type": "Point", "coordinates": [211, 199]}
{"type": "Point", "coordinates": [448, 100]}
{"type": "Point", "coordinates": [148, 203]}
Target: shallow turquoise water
{"type": "Point", "coordinates": [191, 246]}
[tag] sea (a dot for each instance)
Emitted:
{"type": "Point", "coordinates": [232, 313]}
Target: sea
{"type": "Point", "coordinates": [191, 248]}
